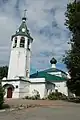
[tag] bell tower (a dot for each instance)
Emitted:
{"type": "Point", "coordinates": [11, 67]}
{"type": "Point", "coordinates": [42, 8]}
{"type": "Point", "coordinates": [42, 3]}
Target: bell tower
{"type": "Point", "coordinates": [19, 64]}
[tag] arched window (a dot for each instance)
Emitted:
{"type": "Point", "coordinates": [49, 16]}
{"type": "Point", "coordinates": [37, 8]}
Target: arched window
{"type": "Point", "coordinates": [15, 42]}
{"type": "Point", "coordinates": [22, 42]}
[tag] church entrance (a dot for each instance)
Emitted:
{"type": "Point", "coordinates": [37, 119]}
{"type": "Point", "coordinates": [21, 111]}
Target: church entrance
{"type": "Point", "coordinates": [9, 92]}
{"type": "Point", "coordinates": [9, 89]}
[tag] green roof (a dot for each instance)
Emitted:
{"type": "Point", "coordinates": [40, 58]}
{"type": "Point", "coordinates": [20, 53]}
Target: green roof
{"type": "Point", "coordinates": [54, 70]}
{"type": "Point", "coordinates": [48, 77]}
{"type": "Point", "coordinates": [23, 31]}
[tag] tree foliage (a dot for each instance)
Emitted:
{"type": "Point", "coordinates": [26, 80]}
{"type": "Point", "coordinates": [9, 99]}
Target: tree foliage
{"type": "Point", "coordinates": [3, 71]}
{"type": "Point", "coordinates": [1, 96]}
{"type": "Point", "coordinates": [72, 59]}
{"type": "Point", "coordinates": [57, 96]}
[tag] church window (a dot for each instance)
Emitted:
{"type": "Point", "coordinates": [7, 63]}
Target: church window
{"type": "Point", "coordinates": [51, 91]}
{"type": "Point", "coordinates": [28, 45]}
{"type": "Point", "coordinates": [27, 72]}
{"type": "Point", "coordinates": [47, 90]}
{"type": "Point", "coordinates": [16, 86]}
{"type": "Point", "coordinates": [22, 42]}
{"type": "Point", "coordinates": [56, 90]}
{"type": "Point", "coordinates": [15, 42]}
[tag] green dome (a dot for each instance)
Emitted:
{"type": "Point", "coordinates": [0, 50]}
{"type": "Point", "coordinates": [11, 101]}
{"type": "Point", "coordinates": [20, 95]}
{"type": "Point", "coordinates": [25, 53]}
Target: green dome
{"type": "Point", "coordinates": [53, 61]}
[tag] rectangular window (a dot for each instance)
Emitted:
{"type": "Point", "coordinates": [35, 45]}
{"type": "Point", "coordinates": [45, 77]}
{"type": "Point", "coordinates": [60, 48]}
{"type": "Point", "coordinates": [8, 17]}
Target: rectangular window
{"type": "Point", "coordinates": [15, 42]}
{"type": "Point", "coordinates": [22, 42]}
{"type": "Point", "coordinates": [28, 45]}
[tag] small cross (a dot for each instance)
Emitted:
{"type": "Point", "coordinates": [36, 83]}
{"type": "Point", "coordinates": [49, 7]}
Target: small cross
{"type": "Point", "coordinates": [25, 13]}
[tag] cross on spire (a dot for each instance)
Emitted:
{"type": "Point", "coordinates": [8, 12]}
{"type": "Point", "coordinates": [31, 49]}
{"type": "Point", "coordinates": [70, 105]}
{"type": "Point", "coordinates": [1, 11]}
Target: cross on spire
{"type": "Point", "coordinates": [25, 12]}
{"type": "Point", "coordinates": [24, 17]}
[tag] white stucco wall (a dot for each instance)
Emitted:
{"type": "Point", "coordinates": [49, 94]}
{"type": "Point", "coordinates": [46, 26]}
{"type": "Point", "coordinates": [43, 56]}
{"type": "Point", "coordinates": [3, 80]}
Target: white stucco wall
{"type": "Point", "coordinates": [21, 91]}
{"type": "Point", "coordinates": [61, 87]}
{"type": "Point", "coordinates": [28, 63]}
{"type": "Point", "coordinates": [42, 86]}
{"type": "Point", "coordinates": [38, 85]}
{"type": "Point", "coordinates": [49, 88]}
{"type": "Point", "coordinates": [24, 89]}
{"type": "Point", "coordinates": [15, 93]}
{"type": "Point", "coordinates": [18, 59]}
{"type": "Point", "coordinates": [17, 63]}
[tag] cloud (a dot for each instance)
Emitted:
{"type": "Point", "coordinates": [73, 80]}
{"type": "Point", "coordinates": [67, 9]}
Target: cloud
{"type": "Point", "coordinates": [46, 24]}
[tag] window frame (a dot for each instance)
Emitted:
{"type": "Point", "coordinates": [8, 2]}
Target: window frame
{"type": "Point", "coordinates": [28, 44]}
{"type": "Point", "coordinates": [22, 42]}
{"type": "Point", "coordinates": [15, 42]}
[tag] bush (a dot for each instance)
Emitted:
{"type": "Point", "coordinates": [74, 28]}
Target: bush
{"type": "Point", "coordinates": [74, 99]}
{"type": "Point", "coordinates": [27, 97]}
{"type": "Point", "coordinates": [56, 96]}
{"type": "Point", "coordinates": [44, 98]}
{"type": "Point", "coordinates": [5, 106]}
{"type": "Point", "coordinates": [52, 96]}
{"type": "Point", "coordinates": [35, 97]}
{"type": "Point", "coordinates": [1, 96]}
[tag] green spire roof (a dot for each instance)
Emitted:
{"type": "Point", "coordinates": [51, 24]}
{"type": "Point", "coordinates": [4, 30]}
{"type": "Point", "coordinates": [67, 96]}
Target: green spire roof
{"type": "Point", "coordinates": [23, 31]}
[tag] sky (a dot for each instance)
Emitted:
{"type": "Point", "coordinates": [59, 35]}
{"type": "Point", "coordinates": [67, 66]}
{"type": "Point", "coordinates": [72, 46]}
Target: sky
{"type": "Point", "coordinates": [45, 21]}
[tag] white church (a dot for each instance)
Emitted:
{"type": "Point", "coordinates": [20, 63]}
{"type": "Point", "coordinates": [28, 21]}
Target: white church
{"type": "Point", "coordinates": [19, 83]}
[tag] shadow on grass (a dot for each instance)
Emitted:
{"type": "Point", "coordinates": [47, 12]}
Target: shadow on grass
{"type": "Point", "coordinates": [5, 106]}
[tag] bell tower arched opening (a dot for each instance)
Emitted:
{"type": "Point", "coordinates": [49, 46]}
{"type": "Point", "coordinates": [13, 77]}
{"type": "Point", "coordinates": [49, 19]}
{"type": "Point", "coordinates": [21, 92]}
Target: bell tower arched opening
{"type": "Point", "coordinates": [22, 42]}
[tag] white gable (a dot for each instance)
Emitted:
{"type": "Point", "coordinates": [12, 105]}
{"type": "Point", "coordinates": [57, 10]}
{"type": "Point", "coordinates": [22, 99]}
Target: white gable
{"type": "Point", "coordinates": [55, 73]}
{"type": "Point", "coordinates": [37, 80]}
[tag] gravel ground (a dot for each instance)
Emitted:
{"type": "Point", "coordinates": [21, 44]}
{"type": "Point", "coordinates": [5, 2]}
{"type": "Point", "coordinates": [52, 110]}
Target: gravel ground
{"type": "Point", "coordinates": [18, 102]}
{"type": "Point", "coordinates": [50, 110]}
{"type": "Point", "coordinates": [43, 113]}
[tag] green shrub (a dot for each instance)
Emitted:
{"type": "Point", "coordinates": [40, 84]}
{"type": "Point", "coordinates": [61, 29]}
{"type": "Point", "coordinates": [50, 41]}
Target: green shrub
{"type": "Point", "coordinates": [44, 98]}
{"type": "Point", "coordinates": [26, 97]}
{"type": "Point", "coordinates": [5, 106]}
{"type": "Point", "coordinates": [56, 96]}
{"type": "Point", "coordinates": [35, 97]}
{"type": "Point", "coordinates": [52, 96]}
{"type": "Point", "coordinates": [74, 99]}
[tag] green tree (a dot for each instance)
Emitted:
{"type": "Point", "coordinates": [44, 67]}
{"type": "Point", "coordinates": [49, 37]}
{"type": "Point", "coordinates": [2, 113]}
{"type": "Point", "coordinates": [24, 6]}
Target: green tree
{"type": "Point", "coordinates": [1, 96]}
{"type": "Point", "coordinates": [3, 71]}
{"type": "Point", "coordinates": [72, 59]}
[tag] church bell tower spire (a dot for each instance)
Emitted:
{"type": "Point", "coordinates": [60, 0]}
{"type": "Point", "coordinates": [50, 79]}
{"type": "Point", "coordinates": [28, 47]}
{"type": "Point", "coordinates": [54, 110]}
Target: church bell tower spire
{"type": "Point", "coordinates": [19, 65]}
